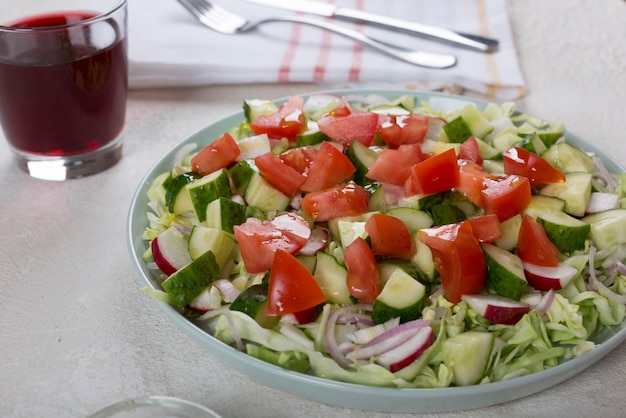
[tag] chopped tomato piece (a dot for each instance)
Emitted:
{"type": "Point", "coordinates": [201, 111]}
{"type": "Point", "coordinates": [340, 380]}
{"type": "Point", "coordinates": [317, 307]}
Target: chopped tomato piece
{"type": "Point", "coordinates": [390, 237]}
{"type": "Point", "coordinates": [394, 165]}
{"type": "Point", "coordinates": [405, 129]}
{"type": "Point", "coordinates": [506, 197]}
{"type": "Point", "coordinates": [433, 175]}
{"type": "Point", "coordinates": [486, 228]}
{"type": "Point", "coordinates": [534, 246]}
{"type": "Point", "coordinates": [329, 168]}
{"type": "Point", "coordinates": [363, 278]}
{"type": "Point", "coordinates": [342, 109]}
{"type": "Point", "coordinates": [357, 126]}
{"type": "Point", "coordinates": [522, 162]}
{"type": "Point", "coordinates": [287, 122]}
{"type": "Point", "coordinates": [472, 181]}
{"type": "Point", "coordinates": [218, 154]}
{"type": "Point", "coordinates": [292, 287]}
{"type": "Point", "coordinates": [343, 200]}
{"type": "Point", "coordinates": [470, 151]}
{"type": "Point", "coordinates": [299, 158]}
{"type": "Point", "coordinates": [259, 240]}
{"type": "Point", "coordinates": [279, 174]}
{"type": "Point", "coordinates": [458, 258]}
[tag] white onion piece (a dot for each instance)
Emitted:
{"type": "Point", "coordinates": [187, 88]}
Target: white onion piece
{"type": "Point", "coordinates": [228, 289]}
{"type": "Point", "coordinates": [545, 302]}
{"type": "Point", "coordinates": [365, 335]}
{"type": "Point", "coordinates": [329, 333]}
{"type": "Point", "coordinates": [598, 285]}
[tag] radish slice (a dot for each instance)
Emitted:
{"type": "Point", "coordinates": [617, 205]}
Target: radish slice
{"type": "Point", "coordinates": [317, 241]}
{"type": "Point", "coordinates": [405, 354]}
{"type": "Point", "coordinates": [546, 278]}
{"type": "Point", "coordinates": [169, 250]}
{"type": "Point", "coordinates": [497, 309]}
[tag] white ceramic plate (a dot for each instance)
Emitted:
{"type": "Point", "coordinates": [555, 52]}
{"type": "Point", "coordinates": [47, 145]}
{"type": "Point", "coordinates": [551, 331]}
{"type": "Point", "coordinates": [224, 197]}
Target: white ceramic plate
{"type": "Point", "coordinates": [347, 394]}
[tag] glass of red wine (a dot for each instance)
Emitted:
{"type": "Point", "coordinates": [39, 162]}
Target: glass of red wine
{"type": "Point", "coordinates": [63, 84]}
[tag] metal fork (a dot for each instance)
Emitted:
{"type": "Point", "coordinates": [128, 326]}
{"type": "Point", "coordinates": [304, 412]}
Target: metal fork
{"type": "Point", "coordinates": [223, 21]}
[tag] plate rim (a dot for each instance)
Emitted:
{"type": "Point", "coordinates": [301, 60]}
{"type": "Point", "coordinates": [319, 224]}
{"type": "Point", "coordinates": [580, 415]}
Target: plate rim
{"type": "Point", "coordinates": [352, 395]}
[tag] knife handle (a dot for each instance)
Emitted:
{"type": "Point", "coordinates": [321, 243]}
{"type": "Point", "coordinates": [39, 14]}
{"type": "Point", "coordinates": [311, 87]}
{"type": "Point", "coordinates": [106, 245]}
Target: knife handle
{"type": "Point", "coordinates": [475, 42]}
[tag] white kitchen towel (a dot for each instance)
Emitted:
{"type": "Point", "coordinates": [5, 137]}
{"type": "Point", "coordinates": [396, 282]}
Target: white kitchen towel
{"type": "Point", "coordinates": [169, 47]}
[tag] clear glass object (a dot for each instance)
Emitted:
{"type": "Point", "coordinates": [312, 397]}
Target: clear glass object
{"type": "Point", "coordinates": [155, 407]}
{"type": "Point", "coordinates": [63, 84]}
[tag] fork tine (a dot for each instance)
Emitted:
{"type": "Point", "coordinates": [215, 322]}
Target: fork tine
{"type": "Point", "coordinates": [214, 16]}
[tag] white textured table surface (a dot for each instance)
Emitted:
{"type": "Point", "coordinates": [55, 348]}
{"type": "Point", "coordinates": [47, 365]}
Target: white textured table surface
{"type": "Point", "coordinates": [77, 334]}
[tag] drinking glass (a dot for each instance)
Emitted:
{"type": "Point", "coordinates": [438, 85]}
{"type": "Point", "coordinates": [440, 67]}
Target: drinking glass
{"type": "Point", "coordinates": [63, 84]}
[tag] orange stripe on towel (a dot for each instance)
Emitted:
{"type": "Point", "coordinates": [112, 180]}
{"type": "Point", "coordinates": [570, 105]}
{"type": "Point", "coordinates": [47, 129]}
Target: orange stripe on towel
{"type": "Point", "coordinates": [322, 59]}
{"type": "Point", "coordinates": [354, 72]}
{"type": "Point", "coordinates": [285, 67]}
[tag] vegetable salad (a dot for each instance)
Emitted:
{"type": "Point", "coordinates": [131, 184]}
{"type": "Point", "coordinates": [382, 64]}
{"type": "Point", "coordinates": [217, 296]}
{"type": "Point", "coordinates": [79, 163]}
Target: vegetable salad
{"type": "Point", "coordinates": [383, 242]}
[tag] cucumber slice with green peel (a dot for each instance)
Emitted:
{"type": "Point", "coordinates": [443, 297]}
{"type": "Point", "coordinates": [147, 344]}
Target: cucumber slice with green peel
{"type": "Point", "coordinates": [311, 137]}
{"type": "Point", "coordinates": [608, 229]}
{"type": "Point", "coordinates": [566, 232]}
{"type": "Point", "coordinates": [262, 195]}
{"type": "Point", "coordinates": [505, 272]}
{"type": "Point", "coordinates": [575, 192]}
{"type": "Point", "coordinates": [420, 201]}
{"type": "Point", "coordinates": [241, 174]}
{"type": "Point", "coordinates": [331, 277]}
{"type": "Point", "coordinates": [510, 233]}
{"type": "Point", "coordinates": [401, 297]}
{"type": "Point", "coordinates": [546, 203]}
{"type": "Point", "coordinates": [423, 260]}
{"type": "Point", "coordinates": [549, 132]}
{"type": "Point", "coordinates": [477, 122]}
{"type": "Point", "coordinates": [445, 213]}
{"type": "Point", "coordinates": [206, 189]}
{"type": "Point", "coordinates": [188, 282]}
{"type": "Point", "coordinates": [533, 143]}
{"type": "Point", "coordinates": [176, 198]}
{"type": "Point", "coordinates": [253, 302]}
{"type": "Point", "coordinates": [203, 239]}
{"type": "Point", "coordinates": [568, 159]}
{"type": "Point", "coordinates": [362, 158]}
{"type": "Point", "coordinates": [333, 224]}
{"type": "Point", "coordinates": [413, 219]}
{"type": "Point", "coordinates": [386, 268]}
{"type": "Point", "coordinates": [456, 131]}
{"type": "Point", "coordinates": [224, 213]}
{"type": "Point", "coordinates": [467, 355]}
{"type": "Point", "coordinates": [254, 108]}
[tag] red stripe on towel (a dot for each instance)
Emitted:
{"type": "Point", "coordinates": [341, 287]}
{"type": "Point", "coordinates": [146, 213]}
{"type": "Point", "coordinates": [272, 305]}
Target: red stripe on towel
{"type": "Point", "coordinates": [354, 72]}
{"type": "Point", "coordinates": [322, 59]}
{"type": "Point", "coordinates": [285, 66]}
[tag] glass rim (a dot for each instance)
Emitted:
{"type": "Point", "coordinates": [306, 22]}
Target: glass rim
{"type": "Point", "coordinates": [100, 16]}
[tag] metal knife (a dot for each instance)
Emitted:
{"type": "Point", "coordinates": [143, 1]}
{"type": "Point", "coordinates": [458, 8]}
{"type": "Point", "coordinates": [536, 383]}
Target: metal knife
{"type": "Point", "coordinates": [466, 40]}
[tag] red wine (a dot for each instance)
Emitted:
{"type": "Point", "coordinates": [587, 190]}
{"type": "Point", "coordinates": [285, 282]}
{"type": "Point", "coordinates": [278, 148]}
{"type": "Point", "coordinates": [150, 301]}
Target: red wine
{"type": "Point", "coordinates": [63, 95]}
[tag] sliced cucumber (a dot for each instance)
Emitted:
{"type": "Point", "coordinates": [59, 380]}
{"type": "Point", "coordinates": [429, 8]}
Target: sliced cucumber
{"type": "Point", "coordinates": [575, 192]}
{"type": "Point", "coordinates": [378, 197]}
{"type": "Point", "coordinates": [362, 157]}
{"type": "Point", "coordinates": [176, 198]}
{"type": "Point", "coordinates": [467, 355]}
{"type": "Point", "coordinates": [241, 174]}
{"type": "Point", "coordinates": [262, 195]}
{"type": "Point", "coordinates": [487, 151]}
{"type": "Point", "coordinates": [608, 229]}
{"type": "Point", "coordinates": [510, 233]}
{"type": "Point", "coordinates": [423, 259]}
{"type": "Point", "coordinates": [188, 282]}
{"type": "Point", "coordinates": [446, 213]}
{"type": "Point", "coordinates": [223, 213]}
{"type": "Point", "coordinates": [505, 141]}
{"type": "Point", "coordinates": [253, 146]}
{"type": "Point", "coordinates": [331, 276]}
{"type": "Point", "coordinates": [388, 266]}
{"type": "Point", "coordinates": [568, 159]}
{"type": "Point", "coordinates": [505, 272]}
{"type": "Point", "coordinates": [413, 219]}
{"type": "Point", "coordinates": [253, 302]}
{"type": "Point", "coordinates": [402, 297]}
{"type": "Point", "coordinates": [478, 123]}
{"type": "Point", "coordinates": [566, 232]}
{"type": "Point", "coordinates": [203, 239]}
{"type": "Point", "coordinates": [533, 143]}
{"type": "Point", "coordinates": [457, 130]}
{"type": "Point", "coordinates": [389, 109]}
{"type": "Point", "coordinates": [206, 189]}
{"type": "Point", "coordinates": [254, 108]}
{"type": "Point", "coordinates": [311, 137]}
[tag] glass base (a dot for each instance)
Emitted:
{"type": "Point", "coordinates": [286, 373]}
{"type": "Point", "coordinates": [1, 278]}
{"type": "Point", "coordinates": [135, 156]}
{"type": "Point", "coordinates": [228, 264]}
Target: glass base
{"type": "Point", "coordinates": [59, 168]}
